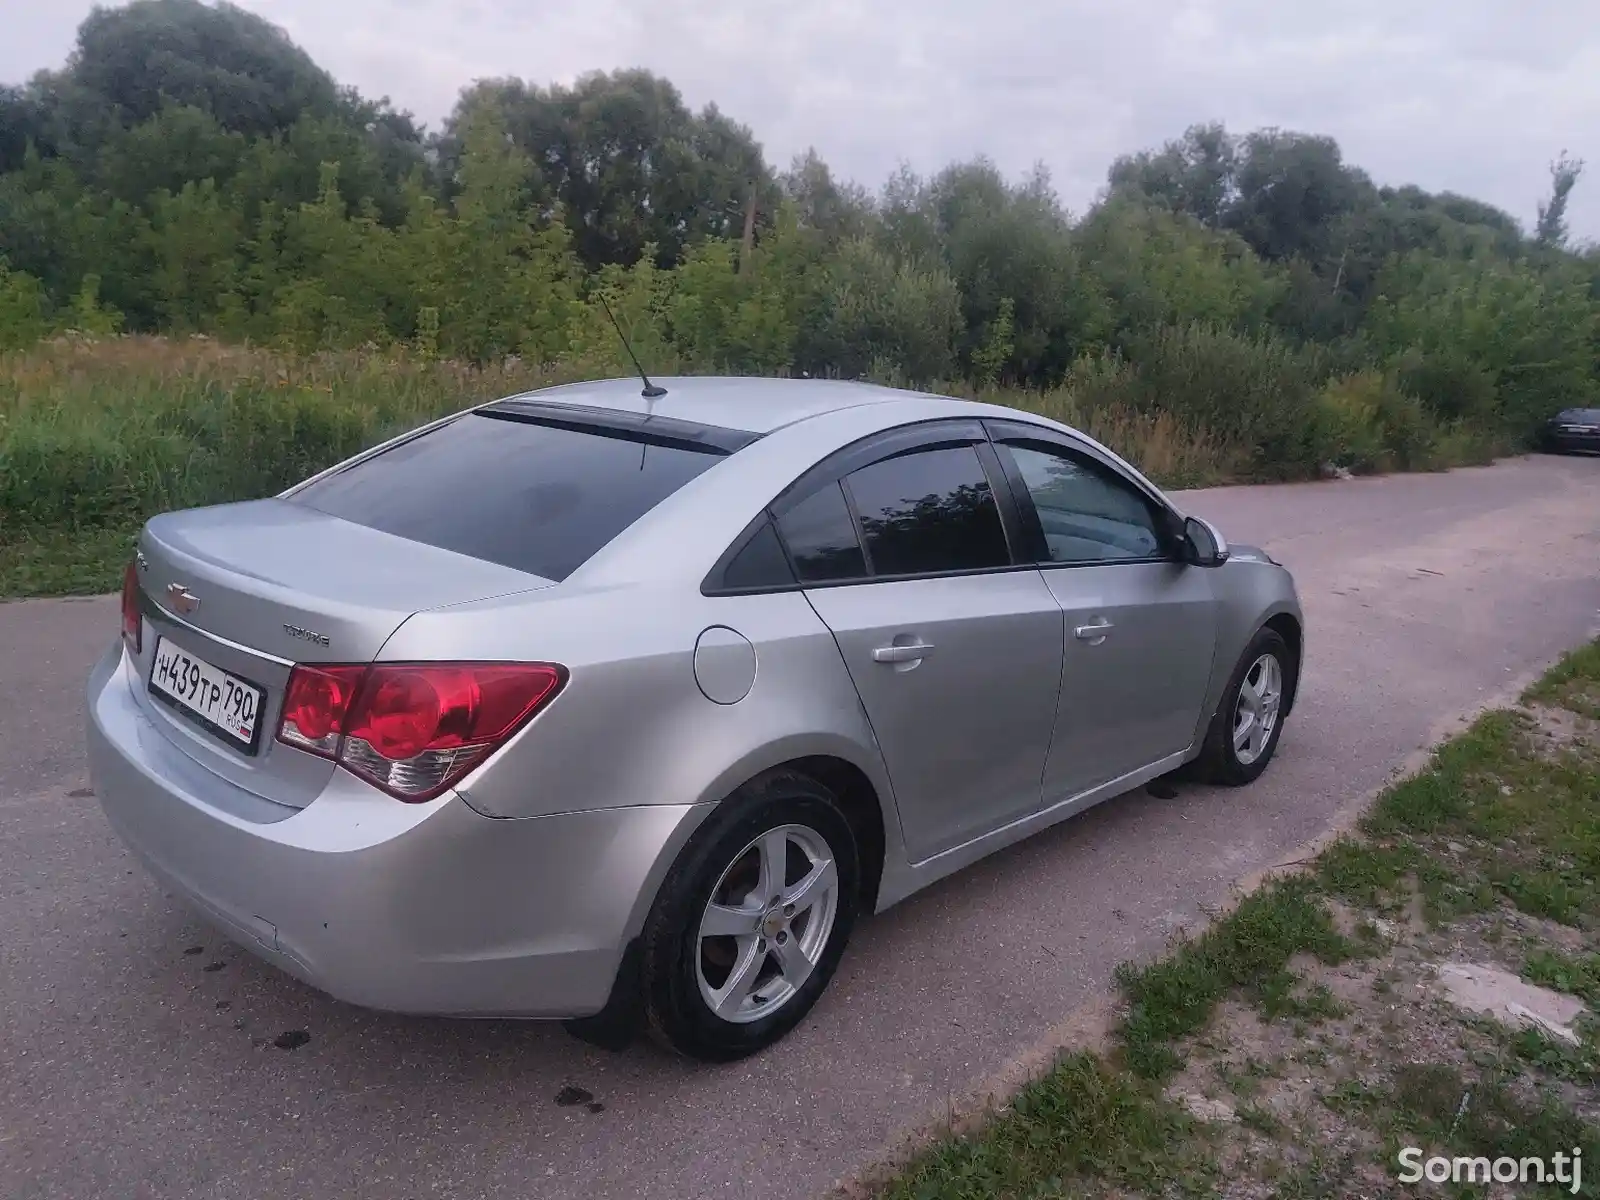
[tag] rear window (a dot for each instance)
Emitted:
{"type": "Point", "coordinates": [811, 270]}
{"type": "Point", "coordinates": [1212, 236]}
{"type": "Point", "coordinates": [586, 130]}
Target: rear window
{"type": "Point", "coordinates": [527, 496]}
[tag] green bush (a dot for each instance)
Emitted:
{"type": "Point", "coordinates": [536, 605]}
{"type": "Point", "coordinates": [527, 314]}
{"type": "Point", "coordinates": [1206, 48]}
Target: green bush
{"type": "Point", "coordinates": [1163, 268]}
{"type": "Point", "coordinates": [1532, 334]}
{"type": "Point", "coordinates": [883, 313]}
{"type": "Point", "coordinates": [1366, 422]}
{"type": "Point", "coordinates": [1449, 386]}
{"type": "Point", "coordinates": [1253, 391]}
{"type": "Point", "coordinates": [22, 321]}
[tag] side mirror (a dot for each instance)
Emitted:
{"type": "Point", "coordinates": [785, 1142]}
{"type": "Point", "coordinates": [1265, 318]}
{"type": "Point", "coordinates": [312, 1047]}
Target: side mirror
{"type": "Point", "coordinates": [1203, 543]}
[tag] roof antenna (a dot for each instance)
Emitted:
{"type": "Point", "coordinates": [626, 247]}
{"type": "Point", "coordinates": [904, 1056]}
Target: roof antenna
{"type": "Point", "coordinates": [651, 391]}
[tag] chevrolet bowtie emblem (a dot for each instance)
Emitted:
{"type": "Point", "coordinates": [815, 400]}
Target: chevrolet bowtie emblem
{"type": "Point", "coordinates": [181, 600]}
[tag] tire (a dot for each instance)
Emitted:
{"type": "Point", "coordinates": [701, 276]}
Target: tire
{"type": "Point", "coordinates": [1222, 761]}
{"type": "Point", "coordinates": [684, 970]}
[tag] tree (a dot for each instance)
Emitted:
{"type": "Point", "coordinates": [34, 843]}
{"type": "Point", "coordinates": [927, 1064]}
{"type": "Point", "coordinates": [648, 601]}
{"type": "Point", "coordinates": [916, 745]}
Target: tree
{"type": "Point", "coordinates": [500, 272]}
{"type": "Point", "coordinates": [883, 315]}
{"type": "Point", "coordinates": [1530, 327]}
{"type": "Point", "coordinates": [836, 211]}
{"type": "Point", "coordinates": [628, 163]}
{"type": "Point", "coordinates": [21, 125]}
{"type": "Point", "coordinates": [219, 58]}
{"type": "Point", "coordinates": [178, 146]}
{"type": "Point", "coordinates": [1195, 175]}
{"type": "Point", "coordinates": [1551, 229]}
{"type": "Point", "coordinates": [1003, 244]}
{"type": "Point", "coordinates": [195, 250]}
{"type": "Point", "coordinates": [1292, 187]}
{"type": "Point", "coordinates": [1162, 268]}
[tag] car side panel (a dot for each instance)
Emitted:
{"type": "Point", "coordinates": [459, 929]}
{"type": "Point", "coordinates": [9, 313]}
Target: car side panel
{"type": "Point", "coordinates": [633, 726]}
{"type": "Point", "coordinates": [964, 731]}
{"type": "Point", "coordinates": [1250, 592]}
{"type": "Point", "coordinates": [1130, 696]}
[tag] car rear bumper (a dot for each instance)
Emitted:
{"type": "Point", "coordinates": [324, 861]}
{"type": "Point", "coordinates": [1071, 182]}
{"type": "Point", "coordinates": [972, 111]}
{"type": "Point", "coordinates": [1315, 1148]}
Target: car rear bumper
{"type": "Point", "coordinates": [1576, 442]}
{"type": "Point", "coordinates": [418, 908]}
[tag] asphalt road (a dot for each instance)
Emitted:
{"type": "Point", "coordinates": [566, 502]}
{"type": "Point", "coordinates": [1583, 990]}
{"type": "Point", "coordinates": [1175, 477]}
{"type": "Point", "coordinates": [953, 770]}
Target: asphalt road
{"type": "Point", "coordinates": [137, 1054]}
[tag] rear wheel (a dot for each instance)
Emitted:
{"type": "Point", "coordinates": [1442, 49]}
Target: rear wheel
{"type": "Point", "coordinates": [1249, 721]}
{"type": "Point", "coordinates": [752, 920]}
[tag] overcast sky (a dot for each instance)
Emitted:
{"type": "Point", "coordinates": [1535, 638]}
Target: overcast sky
{"type": "Point", "coordinates": [1474, 96]}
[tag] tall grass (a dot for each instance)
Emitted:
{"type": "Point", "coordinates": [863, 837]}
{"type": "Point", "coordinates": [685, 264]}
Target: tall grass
{"type": "Point", "coordinates": [100, 434]}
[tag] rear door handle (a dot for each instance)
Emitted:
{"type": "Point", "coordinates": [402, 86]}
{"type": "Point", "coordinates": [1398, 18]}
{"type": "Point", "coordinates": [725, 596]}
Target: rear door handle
{"type": "Point", "coordinates": [900, 654]}
{"type": "Point", "coordinates": [1093, 633]}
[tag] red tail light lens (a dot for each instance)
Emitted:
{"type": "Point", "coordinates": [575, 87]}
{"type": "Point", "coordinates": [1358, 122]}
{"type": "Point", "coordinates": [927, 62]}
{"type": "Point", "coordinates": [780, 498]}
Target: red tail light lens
{"type": "Point", "coordinates": [412, 729]}
{"type": "Point", "coordinates": [315, 705]}
{"type": "Point", "coordinates": [132, 626]}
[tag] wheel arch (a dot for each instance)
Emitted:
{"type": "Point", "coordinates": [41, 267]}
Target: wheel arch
{"type": "Point", "coordinates": [1287, 626]}
{"type": "Point", "coordinates": [863, 793]}
{"type": "Point", "coordinates": [862, 806]}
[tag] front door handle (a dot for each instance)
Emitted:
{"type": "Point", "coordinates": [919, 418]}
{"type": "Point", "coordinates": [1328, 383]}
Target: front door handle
{"type": "Point", "coordinates": [900, 654]}
{"type": "Point", "coordinates": [1093, 633]}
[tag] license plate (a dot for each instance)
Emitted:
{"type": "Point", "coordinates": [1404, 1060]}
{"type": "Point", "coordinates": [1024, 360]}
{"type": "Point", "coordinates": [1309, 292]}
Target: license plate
{"type": "Point", "coordinates": [222, 703]}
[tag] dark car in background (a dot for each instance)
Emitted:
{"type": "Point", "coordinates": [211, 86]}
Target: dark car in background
{"type": "Point", "coordinates": [1571, 431]}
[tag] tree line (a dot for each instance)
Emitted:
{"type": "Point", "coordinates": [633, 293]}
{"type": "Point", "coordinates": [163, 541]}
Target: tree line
{"type": "Point", "coordinates": [192, 171]}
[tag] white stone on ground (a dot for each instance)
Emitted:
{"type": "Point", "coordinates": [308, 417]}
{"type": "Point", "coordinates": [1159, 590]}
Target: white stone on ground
{"type": "Point", "coordinates": [1204, 1109]}
{"type": "Point", "coordinates": [1500, 994]}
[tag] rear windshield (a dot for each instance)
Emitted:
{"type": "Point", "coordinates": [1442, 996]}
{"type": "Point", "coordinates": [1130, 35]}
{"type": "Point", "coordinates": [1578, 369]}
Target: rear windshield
{"type": "Point", "coordinates": [1579, 414]}
{"type": "Point", "coordinates": [527, 496]}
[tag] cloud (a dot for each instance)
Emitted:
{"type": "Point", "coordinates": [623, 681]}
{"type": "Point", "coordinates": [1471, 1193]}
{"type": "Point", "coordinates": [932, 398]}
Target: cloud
{"type": "Point", "coordinates": [1472, 96]}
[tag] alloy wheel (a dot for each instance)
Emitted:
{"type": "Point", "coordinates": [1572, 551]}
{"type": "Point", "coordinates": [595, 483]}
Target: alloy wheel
{"type": "Point", "coordinates": [767, 924]}
{"type": "Point", "coordinates": [1255, 715]}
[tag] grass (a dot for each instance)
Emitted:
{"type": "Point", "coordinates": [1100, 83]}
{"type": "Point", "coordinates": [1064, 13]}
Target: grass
{"type": "Point", "coordinates": [1483, 1115]}
{"type": "Point", "coordinates": [1576, 975]}
{"type": "Point", "coordinates": [1083, 1118]}
{"type": "Point", "coordinates": [1572, 685]}
{"type": "Point", "coordinates": [1248, 951]}
{"type": "Point", "coordinates": [95, 437]}
{"type": "Point", "coordinates": [64, 562]}
{"type": "Point", "coordinates": [1502, 826]}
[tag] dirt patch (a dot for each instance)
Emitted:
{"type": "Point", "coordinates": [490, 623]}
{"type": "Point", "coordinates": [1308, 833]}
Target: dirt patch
{"type": "Point", "coordinates": [1320, 1104]}
{"type": "Point", "coordinates": [1557, 729]}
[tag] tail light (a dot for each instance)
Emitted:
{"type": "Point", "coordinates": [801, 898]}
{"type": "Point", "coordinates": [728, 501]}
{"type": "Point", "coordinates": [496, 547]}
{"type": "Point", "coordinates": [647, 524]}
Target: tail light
{"type": "Point", "coordinates": [132, 626]}
{"type": "Point", "coordinates": [412, 729]}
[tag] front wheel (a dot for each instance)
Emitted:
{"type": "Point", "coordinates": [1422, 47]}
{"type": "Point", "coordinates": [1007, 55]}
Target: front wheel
{"type": "Point", "coordinates": [1249, 721]}
{"type": "Point", "coordinates": [752, 920]}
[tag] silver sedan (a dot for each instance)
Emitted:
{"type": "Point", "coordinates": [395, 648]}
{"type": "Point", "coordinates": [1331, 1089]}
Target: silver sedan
{"type": "Point", "coordinates": [621, 707]}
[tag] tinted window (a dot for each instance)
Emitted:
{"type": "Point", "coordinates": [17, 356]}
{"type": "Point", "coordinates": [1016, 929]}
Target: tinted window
{"type": "Point", "coordinates": [760, 563]}
{"type": "Point", "coordinates": [522, 495]}
{"type": "Point", "coordinates": [1088, 513]}
{"type": "Point", "coordinates": [822, 538]}
{"type": "Point", "coordinates": [929, 511]}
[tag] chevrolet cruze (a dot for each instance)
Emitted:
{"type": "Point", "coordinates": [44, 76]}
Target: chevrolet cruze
{"type": "Point", "coordinates": [620, 705]}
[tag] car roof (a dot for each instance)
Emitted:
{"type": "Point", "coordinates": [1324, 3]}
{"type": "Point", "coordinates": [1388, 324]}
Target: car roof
{"type": "Point", "coordinates": [733, 410]}
{"type": "Point", "coordinates": [754, 404]}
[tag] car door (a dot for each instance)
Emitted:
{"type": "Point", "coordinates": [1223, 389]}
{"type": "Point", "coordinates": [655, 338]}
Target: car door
{"type": "Point", "coordinates": [1140, 624]}
{"type": "Point", "coordinates": [903, 545]}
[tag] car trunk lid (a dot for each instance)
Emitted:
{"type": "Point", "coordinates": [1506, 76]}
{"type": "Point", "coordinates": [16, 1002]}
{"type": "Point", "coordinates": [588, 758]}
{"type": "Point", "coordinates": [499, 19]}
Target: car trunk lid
{"type": "Point", "coordinates": [237, 594]}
